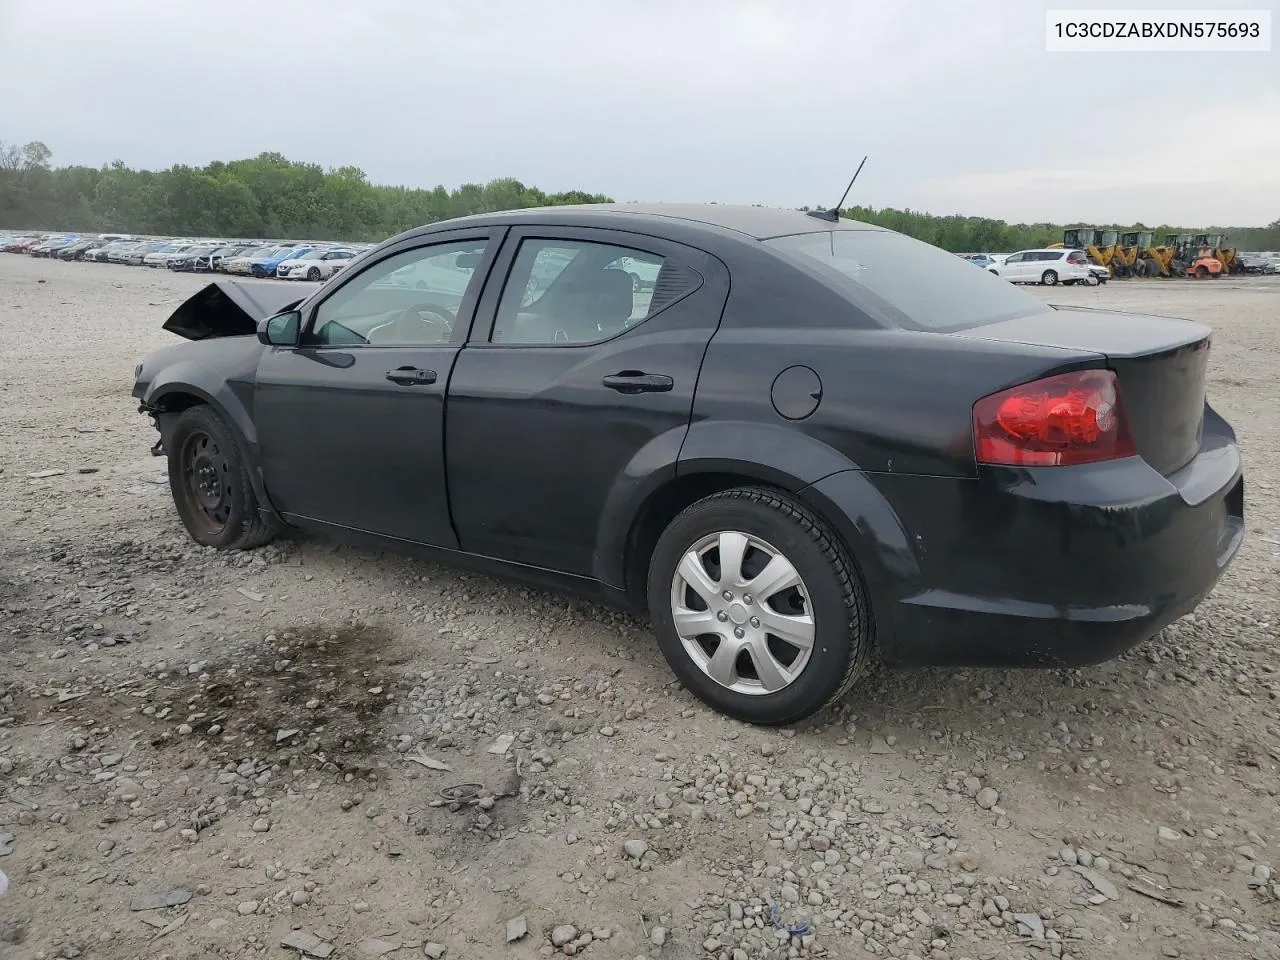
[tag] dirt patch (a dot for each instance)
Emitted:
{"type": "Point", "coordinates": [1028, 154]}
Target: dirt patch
{"type": "Point", "coordinates": [310, 696]}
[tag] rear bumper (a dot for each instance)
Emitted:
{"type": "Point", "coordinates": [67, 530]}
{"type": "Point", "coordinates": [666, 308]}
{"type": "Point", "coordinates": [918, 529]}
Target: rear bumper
{"type": "Point", "coordinates": [1065, 566]}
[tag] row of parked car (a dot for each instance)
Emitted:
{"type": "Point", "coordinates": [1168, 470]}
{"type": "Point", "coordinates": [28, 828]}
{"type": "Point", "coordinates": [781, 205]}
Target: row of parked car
{"type": "Point", "coordinates": [1263, 261]}
{"type": "Point", "coordinates": [284, 260]}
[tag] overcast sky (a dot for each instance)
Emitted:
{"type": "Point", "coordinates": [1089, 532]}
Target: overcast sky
{"type": "Point", "coordinates": [753, 101]}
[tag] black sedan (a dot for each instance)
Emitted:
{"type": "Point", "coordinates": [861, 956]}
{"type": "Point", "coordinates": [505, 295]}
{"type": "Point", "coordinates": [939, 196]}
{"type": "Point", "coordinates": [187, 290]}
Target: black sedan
{"type": "Point", "coordinates": [798, 442]}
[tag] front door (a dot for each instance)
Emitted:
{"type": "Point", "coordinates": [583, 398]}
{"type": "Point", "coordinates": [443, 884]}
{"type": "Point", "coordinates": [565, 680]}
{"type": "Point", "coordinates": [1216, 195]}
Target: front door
{"type": "Point", "coordinates": [1015, 268]}
{"type": "Point", "coordinates": [1024, 268]}
{"type": "Point", "coordinates": [581, 372]}
{"type": "Point", "coordinates": [351, 421]}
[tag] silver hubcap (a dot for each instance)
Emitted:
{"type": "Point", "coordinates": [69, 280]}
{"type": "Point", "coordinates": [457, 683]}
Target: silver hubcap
{"type": "Point", "coordinates": [742, 613]}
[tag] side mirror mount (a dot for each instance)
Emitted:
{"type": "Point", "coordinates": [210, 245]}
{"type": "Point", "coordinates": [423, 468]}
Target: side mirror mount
{"type": "Point", "coordinates": [282, 330]}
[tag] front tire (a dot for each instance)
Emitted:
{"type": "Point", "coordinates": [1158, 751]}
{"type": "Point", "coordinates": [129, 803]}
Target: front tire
{"type": "Point", "coordinates": [1049, 278]}
{"type": "Point", "coordinates": [210, 484]}
{"type": "Point", "coordinates": [758, 608]}
{"type": "Point", "coordinates": [313, 274]}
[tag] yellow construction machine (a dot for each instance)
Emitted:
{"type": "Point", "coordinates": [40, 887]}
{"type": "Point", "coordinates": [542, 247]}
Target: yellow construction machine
{"type": "Point", "coordinates": [1100, 245]}
{"type": "Point", "coordinates": [1133, 254]}
{"type": "Point", "coordinates": [1175, 247]}
{"type": "Point", "coordinates": [1131, 247]}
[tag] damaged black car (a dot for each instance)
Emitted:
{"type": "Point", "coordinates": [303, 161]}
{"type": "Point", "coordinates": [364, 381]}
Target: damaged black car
{"type": "Point", "coordinates": [796, 442]}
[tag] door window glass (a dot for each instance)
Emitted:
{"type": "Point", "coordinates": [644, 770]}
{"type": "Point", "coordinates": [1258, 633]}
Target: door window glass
{"type": "Point", "coordinates": [575, 292]}
{"type": "Point", "coordinates": [409, 299]}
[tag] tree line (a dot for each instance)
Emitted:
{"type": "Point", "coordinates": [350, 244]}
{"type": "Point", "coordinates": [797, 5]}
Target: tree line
{"type": "Point", "coordinates": [266, 196]}
{"type": "Point", "coordinates": [272, 196]}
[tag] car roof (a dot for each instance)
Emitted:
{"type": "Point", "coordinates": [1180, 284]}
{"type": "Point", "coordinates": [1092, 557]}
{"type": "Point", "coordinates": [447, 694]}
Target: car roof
{"type": "Point", "coordinates": [759, 223]}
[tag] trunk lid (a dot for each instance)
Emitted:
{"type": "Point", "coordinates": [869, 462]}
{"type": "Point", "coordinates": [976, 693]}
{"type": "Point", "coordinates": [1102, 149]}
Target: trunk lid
{"type": "Point", "coordinates": [225, 308]}
{"type": "Point", "coordinates": [1161, 363]}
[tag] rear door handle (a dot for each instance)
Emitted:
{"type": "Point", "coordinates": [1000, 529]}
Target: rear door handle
{"type": "Point", "coordinates": [634, 381]}
{"type": "Point", "coordinates": [409, 376]}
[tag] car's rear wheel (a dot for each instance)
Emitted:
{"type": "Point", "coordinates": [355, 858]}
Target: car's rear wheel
{"type": "Point", "coordinates": [210, 483]}
{"type": "Point", "coordinates": [1049, 278]}
{"type": "Point", "coordinates": [313, 274]}
{"type": "Point", "coordinates": [758, 607]}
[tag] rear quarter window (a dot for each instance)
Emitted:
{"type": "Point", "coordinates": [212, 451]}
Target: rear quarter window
{"type": "Point", "coordinates": [906, 282]}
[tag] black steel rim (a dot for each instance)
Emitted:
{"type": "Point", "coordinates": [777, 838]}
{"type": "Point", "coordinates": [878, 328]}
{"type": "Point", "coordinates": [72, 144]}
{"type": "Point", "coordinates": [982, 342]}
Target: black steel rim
{"type": "Point", "coordinates": [206, 481]}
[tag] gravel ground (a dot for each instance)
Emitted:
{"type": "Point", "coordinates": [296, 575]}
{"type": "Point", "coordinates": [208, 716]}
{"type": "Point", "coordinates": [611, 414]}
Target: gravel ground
{"type": "Point", "coordinates": [202, 755]}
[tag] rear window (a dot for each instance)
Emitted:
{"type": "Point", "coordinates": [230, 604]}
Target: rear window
{"type": "Point", "coordinates": [907, 282]}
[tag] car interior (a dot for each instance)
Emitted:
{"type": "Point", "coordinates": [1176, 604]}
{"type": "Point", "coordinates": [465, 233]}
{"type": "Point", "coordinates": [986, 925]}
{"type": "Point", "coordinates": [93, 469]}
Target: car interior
{"type": "Point", "coordinates": [590, 299]}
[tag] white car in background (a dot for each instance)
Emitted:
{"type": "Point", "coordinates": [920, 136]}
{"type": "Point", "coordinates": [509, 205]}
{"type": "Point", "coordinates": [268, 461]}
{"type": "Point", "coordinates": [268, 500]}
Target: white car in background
{"type": "Point", "coordinates": [1050, 266]}
{"type": "Point", "coordinates": [316, 264]}
{"type": "Point", "coordinates": [160, 258]}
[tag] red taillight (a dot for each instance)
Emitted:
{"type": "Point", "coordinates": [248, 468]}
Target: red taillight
{"type": "Point", "coordinates": [1061, 420]}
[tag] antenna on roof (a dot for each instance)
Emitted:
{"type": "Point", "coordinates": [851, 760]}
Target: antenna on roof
{"type": "Point", "coordinates": [834, 213]}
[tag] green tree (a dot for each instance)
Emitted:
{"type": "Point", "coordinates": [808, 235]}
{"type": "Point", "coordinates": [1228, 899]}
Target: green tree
{"type": "Point", "coordinates": [263, 196]}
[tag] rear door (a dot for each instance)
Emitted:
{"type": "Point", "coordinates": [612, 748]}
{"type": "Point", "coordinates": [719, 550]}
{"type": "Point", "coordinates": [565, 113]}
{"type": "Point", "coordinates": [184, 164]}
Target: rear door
{"type": "Point", "coordinates": [351, 421]}
{"type": "Point", "coordinates": [1046, 260]}
{"type": "Point", "coordinates": [587, 350]}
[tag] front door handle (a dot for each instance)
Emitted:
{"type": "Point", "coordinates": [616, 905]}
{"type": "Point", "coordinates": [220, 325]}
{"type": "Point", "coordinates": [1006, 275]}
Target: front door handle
{"type": "Point", "coordinates": [634, 381]}
{"type": "Point", "coordinates": [409, 376]}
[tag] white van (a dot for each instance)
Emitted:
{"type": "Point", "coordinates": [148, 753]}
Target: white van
{"type": "Point", "coordinates": [1049, 266]}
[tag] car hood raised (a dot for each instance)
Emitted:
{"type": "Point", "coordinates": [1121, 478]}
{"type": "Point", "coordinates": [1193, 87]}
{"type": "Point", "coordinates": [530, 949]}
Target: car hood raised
{"type": "Point", "coordinates": [225, 308]}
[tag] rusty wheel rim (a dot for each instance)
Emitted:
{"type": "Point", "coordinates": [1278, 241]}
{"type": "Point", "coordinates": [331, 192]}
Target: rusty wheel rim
{"type": "Point", "coordinates": [206, 482]}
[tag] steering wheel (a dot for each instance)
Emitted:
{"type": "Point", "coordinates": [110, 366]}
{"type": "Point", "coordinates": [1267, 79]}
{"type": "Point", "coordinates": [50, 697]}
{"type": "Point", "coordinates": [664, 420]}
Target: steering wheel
{"type": "Point", "coordinates": [416, 325]}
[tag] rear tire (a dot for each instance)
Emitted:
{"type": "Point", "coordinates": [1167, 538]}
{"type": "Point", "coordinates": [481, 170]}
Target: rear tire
{"type": "Point", "coordinates": [814, 599]}
{"type": "Point", "coordinates": [1049, 278]}
{"type": "Point", "coordinates": [210, 484]}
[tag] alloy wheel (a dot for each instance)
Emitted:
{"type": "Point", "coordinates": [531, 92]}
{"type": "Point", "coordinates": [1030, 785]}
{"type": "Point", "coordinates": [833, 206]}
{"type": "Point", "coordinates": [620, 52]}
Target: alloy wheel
{"type": "Point", "coordinates": [743, 613]}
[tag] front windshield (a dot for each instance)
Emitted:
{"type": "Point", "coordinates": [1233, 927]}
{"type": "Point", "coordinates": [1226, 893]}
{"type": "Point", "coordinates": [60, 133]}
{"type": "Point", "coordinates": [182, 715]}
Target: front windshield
{"type": "Point", "coordinates": [911, 283]}
{"type": "Point", "coordinates": [313, 255]}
